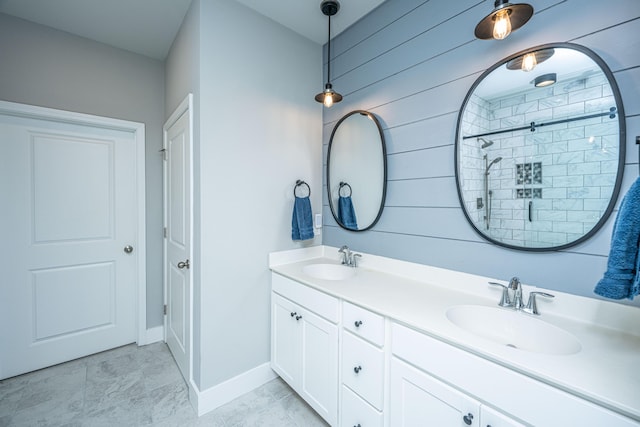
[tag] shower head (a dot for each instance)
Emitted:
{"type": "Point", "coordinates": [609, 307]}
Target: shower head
{"type": "Point", "coordinates": [493, 162]}
{"type": "Point", "coordinates": [485, 143]}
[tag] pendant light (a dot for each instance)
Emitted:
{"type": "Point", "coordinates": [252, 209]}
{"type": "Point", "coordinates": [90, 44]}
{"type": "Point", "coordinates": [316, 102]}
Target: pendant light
{"type": "Point", "coordinates": [530, 60]}
{"type": "Point", "coordinates": [329, 96]}
{"type": "Point", "coordinates": [503, 19]}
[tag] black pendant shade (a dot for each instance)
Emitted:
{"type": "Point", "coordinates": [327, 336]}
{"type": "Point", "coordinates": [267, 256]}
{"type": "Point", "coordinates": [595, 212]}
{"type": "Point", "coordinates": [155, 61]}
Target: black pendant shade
{"type": "Point", "coordinates": [540, 55]}
{"type": "Point", "coordinates": [512, 15]}
{"type": "Point", "coordinates": [545, 80]}
{"type": "Point", "coordinates": [329, 96]}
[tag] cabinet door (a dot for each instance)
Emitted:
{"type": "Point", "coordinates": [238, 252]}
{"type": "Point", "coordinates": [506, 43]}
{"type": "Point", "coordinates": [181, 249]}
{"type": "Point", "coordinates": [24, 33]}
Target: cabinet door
{"type": "Point", "coordinates": [286, 336]}
{"type": "Point", "coordinates": [319, 385]}
{"type": "Point", "coordinates": [418, 399]}
{"type": "Point", "coordinates": [489, 417]}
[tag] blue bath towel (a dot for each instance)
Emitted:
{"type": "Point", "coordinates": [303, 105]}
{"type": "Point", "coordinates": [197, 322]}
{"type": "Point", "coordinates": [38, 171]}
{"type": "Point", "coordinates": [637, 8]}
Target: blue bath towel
{"type": "Point", "coordinates": [621, 280]}
{"type": "Point", "coordinates": [346, 213]}
{"type": "Point", "coordinates": [302, 220]}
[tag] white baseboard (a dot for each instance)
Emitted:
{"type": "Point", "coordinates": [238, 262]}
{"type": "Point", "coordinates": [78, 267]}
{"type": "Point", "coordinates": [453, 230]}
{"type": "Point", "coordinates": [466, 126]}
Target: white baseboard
{"type": "Point", "coordinates": [216, 396]}
{"type": "Point", "coordinates": [152, 335]}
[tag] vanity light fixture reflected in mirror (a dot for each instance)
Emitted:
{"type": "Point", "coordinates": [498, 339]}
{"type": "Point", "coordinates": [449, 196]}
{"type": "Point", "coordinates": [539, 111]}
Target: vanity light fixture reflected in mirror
{"type": "Point", "coordinates": [529, 61]}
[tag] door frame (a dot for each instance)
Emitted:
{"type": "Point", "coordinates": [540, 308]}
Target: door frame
{"type": "Point", "coordinates": [186, 106]}
{"type": "Point", "coordinates": [138, 131]}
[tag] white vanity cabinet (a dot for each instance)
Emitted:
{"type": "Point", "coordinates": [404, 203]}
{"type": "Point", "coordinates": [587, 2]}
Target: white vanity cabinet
{"type": "Point", "coordinates": [419, 359]}
{"type": "Point", "coordinates": [375, 346]}
{"type": "Point", "coordinates": [489, 417]}
{"type": "Point", "coordinates": [304, 343]}
{"type": "Point", "coordinates": [362, 364]}
{"type": "Point", "coordinates": [418, 399]}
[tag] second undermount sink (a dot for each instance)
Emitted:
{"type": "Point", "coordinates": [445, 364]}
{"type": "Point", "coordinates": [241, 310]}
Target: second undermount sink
{"type": "Point", "coordinates": [513, 329]}
{"type": "Point", "coordinates": [329, 271]}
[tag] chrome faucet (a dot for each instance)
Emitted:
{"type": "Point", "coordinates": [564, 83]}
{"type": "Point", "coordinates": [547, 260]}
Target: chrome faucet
{"type": "Point", "coordinates": [516, 287]}
{"type": "Point", "coordinates": [346, 254]}
{"type": "Point", "coordinates": [513, 299]}
{"type": "Point", "coordinates": [349, 258]}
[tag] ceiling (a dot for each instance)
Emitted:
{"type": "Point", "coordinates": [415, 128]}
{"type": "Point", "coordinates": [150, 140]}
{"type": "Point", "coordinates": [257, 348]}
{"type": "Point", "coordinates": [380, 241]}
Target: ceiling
{"type": "Point", "coordinates": [148, 27]}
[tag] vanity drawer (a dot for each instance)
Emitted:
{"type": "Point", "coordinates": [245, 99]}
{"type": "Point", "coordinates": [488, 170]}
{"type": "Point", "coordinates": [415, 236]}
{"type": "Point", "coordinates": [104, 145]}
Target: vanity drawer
{"type": "Point", "coordinates": [357, 412]}
{"type": "Point", "coordinates": [363, 369]}
{"type": "Point", "coordinates": [363, 323]}
{"type": "Point", "coordinates": [320, 303]}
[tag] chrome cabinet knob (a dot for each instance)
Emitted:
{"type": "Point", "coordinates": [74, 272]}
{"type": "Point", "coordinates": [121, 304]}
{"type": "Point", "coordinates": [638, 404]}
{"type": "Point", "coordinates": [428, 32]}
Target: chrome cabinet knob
{"type": "Point", "coordinates": [358, 323]}
{"type": "Point", "coordinates": [183, 264]}
{"type": "Point", "coordinates": [293, 313]}
{"type": "Point", "coordinates": [357, 369]}
{"type": "Point", "coordinates": [468, 419]}
{"type": "Point", "coordinates": [128, 249]}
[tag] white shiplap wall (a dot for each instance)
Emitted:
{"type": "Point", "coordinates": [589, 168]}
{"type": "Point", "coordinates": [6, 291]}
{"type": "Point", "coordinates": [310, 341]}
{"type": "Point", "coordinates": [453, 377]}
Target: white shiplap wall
{"type": "Point", "coordinates": [411, 62]}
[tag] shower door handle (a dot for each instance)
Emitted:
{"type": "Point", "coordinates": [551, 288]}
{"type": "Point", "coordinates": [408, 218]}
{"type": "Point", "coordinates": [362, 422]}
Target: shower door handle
{"type": "Point", "coordinates": [530, 211]}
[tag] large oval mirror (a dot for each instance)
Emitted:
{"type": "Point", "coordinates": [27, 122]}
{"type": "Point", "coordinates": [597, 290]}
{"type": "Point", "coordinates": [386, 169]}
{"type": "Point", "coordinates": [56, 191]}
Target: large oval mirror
{"type": "Point", "coordinates": [540, 148]}
{"type": "Point", "coordinates": [357, 171]}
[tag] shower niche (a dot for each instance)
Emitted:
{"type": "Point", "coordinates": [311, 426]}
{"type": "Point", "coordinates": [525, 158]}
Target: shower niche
{"type": "Point", "coordinates": [540, 152]}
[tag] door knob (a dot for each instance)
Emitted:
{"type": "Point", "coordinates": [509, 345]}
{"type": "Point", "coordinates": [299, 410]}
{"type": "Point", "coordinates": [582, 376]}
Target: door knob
{"type": "Point", "coordinates": [128, 249]}
{"type": "Point", "coordinates": [183, 264]}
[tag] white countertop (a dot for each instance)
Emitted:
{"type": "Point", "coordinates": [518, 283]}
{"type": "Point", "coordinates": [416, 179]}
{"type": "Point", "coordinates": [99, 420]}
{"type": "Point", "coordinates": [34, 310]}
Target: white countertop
{"type": "Point", "coordinates": [606, 370]}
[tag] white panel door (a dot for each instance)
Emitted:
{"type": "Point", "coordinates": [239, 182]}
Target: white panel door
{"type": "Point", "coordinates": [177, 183]}
{"type": "Point", "coordinates": [69, 208]}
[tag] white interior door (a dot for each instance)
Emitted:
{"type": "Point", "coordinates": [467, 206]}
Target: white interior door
{"type": "Point", "coordinates": [69, 209]}
{"type": "Point", "coordinates": [178, 236]}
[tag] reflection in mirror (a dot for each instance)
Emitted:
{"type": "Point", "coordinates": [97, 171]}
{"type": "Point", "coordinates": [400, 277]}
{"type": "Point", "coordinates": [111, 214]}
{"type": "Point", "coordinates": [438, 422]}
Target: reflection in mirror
{"type": "Point", "coordinates": [540, 148]}
{"type": "Point", "coordinates": [357, 171]}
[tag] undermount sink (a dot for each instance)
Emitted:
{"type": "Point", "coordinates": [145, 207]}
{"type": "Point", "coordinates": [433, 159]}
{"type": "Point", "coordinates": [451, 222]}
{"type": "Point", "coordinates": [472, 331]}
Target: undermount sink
{"type": "Point", "coordinates": [329, 271]}
{"type": "Point", "coordinates": [513, 329]}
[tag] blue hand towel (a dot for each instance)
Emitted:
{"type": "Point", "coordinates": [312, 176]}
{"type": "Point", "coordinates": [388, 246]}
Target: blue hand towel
{"type": "Point", "coordinates": [302, 220]}
{"type": "Point", "coordinates": [346, 213]}
{"type": "Point", "coordinates": [621, 280]}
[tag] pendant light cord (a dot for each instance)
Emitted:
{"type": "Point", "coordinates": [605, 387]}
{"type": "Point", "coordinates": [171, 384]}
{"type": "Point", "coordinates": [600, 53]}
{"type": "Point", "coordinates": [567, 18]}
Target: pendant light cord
{"type": "Point", "coordinates": [329, 52]}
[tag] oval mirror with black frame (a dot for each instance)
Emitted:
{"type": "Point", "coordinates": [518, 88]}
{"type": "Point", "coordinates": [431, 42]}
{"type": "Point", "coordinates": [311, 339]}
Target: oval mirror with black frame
{"type": "Point", "coordinates": [540, 148]}
{"type": "Point", "coordinates": [357, 171]}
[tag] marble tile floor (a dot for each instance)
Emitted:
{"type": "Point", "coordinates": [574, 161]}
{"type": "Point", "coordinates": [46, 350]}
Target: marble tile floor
{"type": "Point", "coordinates": [137, 386]}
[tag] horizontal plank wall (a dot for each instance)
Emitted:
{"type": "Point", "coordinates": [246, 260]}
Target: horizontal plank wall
{"type": "Point", "coordinates": [411, 62]}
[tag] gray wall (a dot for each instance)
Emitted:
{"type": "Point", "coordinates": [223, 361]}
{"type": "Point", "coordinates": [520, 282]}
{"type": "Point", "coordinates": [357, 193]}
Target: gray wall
{"type": "Point", "coordinates": [411, 62]}
{"type": "Point", "coordinates": [259, 130]}
{"type": "Point", "coordinates": [45, 67]}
